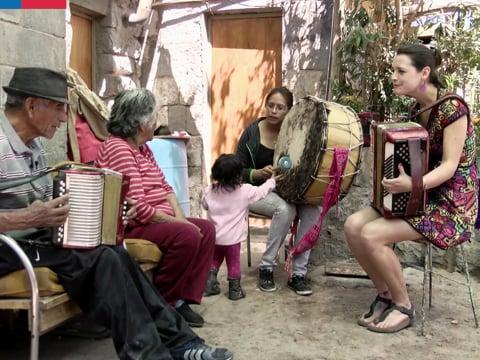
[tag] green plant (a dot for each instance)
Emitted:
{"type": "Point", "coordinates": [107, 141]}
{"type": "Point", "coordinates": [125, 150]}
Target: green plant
{"type": "Point", "coordinates": [459, 41]}
{"type": "Point", "coordinates": [365, 52]}
{"type": "Point", "coordinates": [355, 102]}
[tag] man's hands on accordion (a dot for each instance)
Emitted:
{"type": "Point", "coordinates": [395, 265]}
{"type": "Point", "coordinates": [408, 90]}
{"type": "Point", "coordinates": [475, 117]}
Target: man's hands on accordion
{"type": "Point", "coordinates": [400, 184]}
{"type": "Point", "coordinates": [49, 213]}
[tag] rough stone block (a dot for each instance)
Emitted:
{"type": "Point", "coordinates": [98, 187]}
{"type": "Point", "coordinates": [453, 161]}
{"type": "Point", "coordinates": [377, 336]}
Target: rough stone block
{"type": "Point", "coordinates": [115, 64]}
{"type": "Point", "coordinates": [307, 55]}
{"type": "Point", "coordinates": [187, 64]}
{"type": "Point", "coordinates": [12, 16]}
{"type": "Point", "coordinates": [111, 85]}
{"type": "Point", "coordinates": [177, 117]}
{"type": "Point", "coordinates": [50, 22]}
{"type": "Point", "coordinates": [117, 42]}
{"type": "Point", "coordinates": [164, 68]}
{"type": "Point", "coordinates": [161, 115]}
{"type": "Point", "coordinates": [22, 47]}
{"type": "Point", "coordinates": [306, 82]}
{"type": "Point", "coordinates": [6, 73]}
{"type": "Point", "coordinates": [166, 91]}
{"type": "Point", "coordinates": [188, 31]}
{"type": "Point", "coordinates": [195, 151]}
{"type": "Point", "coordinates": [195, 190]}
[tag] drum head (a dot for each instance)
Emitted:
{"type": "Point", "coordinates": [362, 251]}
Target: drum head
{"type": "Point", "coordinates": [309, 135]}
{"type": "Point", "coordinates": [302, 138]}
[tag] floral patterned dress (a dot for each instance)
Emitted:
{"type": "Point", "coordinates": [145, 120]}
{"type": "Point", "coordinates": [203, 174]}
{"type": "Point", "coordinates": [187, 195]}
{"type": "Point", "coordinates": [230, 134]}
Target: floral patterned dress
{"type": "Point", "coordinates": [451, 209]}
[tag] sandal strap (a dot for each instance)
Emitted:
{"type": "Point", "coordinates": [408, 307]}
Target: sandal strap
{"type": "Point", "coordinates": [409, 312]}
{"type": "Point", "coordinates": [373, 305]}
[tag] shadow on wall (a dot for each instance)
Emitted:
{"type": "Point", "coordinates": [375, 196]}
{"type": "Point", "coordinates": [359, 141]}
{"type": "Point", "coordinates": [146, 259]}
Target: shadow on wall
{"type": "Point", "coordinates": [307, 36]}
{"type": "Point", "coordinates": [173, 110]}
{"type": "Point", "coordinates": [127, 58]}
{"type": "Point", "coordinates": [305, 50]}
{"type": "Point", "coordinates": [252, 109]}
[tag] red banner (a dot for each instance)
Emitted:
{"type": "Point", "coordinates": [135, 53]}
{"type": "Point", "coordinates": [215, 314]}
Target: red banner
{"type": "Point", "coordinates": [44, 4]}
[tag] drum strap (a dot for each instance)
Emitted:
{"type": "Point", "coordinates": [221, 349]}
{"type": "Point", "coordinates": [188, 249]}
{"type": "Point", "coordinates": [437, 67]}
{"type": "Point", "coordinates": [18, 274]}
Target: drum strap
{"type": "Point", "coordinates": [416, 171]}
{"type": "Point", "coordinates": [332, 193]}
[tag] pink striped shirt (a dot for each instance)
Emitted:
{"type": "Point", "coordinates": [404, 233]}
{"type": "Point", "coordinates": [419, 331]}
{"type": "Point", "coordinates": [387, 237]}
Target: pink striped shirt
{"type": "Point", "coordinates": [147, 182]}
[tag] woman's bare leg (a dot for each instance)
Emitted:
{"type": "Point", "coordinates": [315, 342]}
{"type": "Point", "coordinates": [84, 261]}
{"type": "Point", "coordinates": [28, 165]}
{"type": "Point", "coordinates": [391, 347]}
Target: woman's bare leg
{"type": "Point", "coordinates": [376, 238]}
{"type": "Point", "coordinates": [353, 228]}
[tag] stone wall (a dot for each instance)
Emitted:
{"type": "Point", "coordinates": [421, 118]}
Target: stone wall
{"type": "Point", "coordinates": [34, 38]}
{"type": "Point", "coordinates": [182, 66]}
{"type": "Point", "coordinates": [170, 54]}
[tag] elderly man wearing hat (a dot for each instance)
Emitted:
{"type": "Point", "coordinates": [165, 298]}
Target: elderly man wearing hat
{"type": "Point", "coordinates": [105, 282]}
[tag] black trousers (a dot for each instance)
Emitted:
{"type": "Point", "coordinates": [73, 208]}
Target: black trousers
{"type": "Point", "coordinates": [111, 288]}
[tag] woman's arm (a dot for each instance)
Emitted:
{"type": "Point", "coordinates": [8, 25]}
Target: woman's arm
{"type": "Point", "coordinates": [256, 193]}
{"type": "Point", "coordinates": [172, 200]}
{"type": "Point", "coordinates": [454, 136]}
{"type": "Point", "coordinates": [118, 157]}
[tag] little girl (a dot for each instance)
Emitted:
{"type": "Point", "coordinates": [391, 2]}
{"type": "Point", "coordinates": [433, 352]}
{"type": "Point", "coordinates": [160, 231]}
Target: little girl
{"type": "Point", "coordinates": [226, 202]}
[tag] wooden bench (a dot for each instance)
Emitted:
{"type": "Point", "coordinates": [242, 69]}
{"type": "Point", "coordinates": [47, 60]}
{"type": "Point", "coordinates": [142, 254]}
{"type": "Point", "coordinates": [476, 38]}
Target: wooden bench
{"type": "Point", "coordinates": [52, 311]}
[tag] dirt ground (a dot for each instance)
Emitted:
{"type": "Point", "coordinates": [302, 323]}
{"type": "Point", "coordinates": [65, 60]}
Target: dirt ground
{"type": "Point", "coordinates": [283, 325]}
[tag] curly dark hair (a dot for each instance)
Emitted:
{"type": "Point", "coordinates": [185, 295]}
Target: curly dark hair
{"type": "Point", "coordinates": [227, 172]}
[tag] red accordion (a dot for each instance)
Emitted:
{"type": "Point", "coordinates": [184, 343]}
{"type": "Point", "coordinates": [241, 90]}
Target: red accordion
{"type": "Point", "coordinates": [393, 144]}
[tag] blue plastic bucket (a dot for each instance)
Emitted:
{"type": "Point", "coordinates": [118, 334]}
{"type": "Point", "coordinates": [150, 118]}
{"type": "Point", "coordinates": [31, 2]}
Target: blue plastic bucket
{"type": "Point", "coordinates": [171, 156]}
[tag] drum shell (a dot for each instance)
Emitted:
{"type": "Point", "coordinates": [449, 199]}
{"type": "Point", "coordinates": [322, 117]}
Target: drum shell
{"type": "Point", "coordinates": [309, 133]}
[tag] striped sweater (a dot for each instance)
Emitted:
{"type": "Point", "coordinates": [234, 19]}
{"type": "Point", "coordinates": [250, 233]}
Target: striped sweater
{"type": "Point", "coordinates": [18, 160]}
{"type": "Point", "coordinates": [147, 182]}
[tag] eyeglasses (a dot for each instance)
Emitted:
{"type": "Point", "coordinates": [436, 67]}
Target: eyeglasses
{"type": "Point", "coordinates": [278, 107]}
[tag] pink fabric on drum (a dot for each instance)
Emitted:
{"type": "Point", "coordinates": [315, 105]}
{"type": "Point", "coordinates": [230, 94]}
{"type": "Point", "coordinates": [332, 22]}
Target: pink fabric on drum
{"type": "Point", "coordinates": [332, 193]}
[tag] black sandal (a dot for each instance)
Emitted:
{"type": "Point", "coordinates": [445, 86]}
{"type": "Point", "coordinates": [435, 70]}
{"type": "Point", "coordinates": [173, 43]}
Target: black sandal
{"type": "Point", "coordinates": [361, 321]}
{"type": "Point", "coordinates": [400, 326]}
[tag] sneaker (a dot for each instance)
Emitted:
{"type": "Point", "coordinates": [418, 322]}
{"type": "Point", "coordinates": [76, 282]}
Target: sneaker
{"type": "Point", "coordinates": [192, 318]}
{"type": "Point", "coordinates": [265, 280]}
{"type": "Point", "coordinates": [200, 351]}
{"type": "Point", "coordinates": [298, 284]}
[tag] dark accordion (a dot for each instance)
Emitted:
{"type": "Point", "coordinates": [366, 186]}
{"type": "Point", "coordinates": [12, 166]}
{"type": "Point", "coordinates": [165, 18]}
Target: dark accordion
{"type": "Point", "coordinates": [393, 144]}
{"type": "Point", "coordinates": [97, 207]}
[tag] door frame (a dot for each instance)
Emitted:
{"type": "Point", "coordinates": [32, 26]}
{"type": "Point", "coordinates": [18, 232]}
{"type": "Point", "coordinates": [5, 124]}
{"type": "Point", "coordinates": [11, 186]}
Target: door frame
{"type": "Point", "coordinates": [75, 12]}
{"type": "Point", "coordinates": [231, 15]}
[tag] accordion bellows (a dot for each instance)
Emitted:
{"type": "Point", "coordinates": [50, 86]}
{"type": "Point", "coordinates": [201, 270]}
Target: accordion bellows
{"type": "Point", "coordinates": [97, 207]}
{"type": "Point", "coordinates": [393, 144]}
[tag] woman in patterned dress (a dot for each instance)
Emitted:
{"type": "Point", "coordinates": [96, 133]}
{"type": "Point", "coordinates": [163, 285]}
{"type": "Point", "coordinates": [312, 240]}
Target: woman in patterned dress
{"type": "Point", "coordinates": [451, 185]}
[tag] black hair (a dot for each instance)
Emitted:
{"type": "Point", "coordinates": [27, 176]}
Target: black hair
{"type": "Point", "coordinates": [421, 57]}
{"type": "Point", "coordinates": [287, 95]}
{"type": "Point", "coordinates": [227, 172]}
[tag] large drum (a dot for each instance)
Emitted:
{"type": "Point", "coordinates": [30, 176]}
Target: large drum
{"type": "Point", "coordinates": [310, 132]}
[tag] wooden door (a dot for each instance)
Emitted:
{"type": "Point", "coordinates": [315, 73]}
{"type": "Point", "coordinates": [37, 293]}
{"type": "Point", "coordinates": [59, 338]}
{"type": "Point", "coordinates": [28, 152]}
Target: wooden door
{"type": "Point", "coordinates": [82, 45]}
{"type": "Point", "coordinates": [246, 64]}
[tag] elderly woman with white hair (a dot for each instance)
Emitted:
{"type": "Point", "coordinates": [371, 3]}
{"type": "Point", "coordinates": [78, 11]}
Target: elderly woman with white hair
{"type": "Point", "coordinates": [187, 244]}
